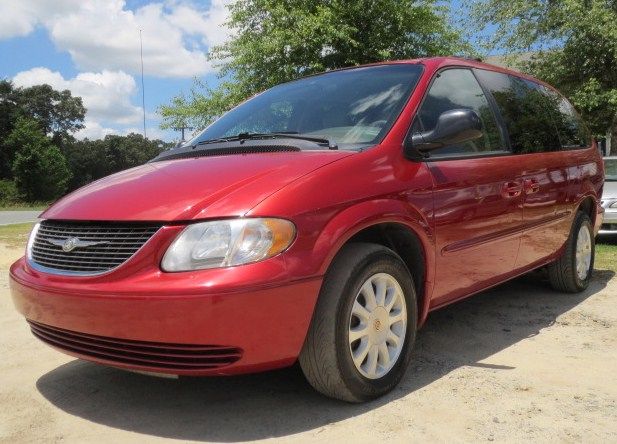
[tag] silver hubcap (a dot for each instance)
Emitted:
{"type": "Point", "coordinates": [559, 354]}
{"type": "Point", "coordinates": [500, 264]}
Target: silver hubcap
{"type": "Point", "coordinates": [377, 326]}
{"type": "Point", "coordinates": [583, 252]}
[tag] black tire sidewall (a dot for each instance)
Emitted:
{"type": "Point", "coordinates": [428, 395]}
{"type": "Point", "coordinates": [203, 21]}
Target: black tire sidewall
{"type": "Point", "coordinates": [385, 261]}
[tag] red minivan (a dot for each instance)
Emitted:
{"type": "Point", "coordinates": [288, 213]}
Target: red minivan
{"type": "Point", "coordinates": [320, 222]}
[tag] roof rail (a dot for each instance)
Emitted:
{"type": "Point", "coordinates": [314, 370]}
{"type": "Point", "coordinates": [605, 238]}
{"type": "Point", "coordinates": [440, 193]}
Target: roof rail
{"type": "Point", "coordinates": [473, 59]}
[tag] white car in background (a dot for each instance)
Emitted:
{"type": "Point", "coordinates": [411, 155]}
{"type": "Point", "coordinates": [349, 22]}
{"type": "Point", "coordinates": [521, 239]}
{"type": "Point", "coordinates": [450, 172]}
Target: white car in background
{"type": "Point", "coordinates": [609, 197]}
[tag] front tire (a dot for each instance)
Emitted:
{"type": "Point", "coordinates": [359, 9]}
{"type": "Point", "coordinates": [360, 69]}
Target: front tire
{"type": "Point", "coordinates": [572, 272]}
{"type": "Point", "coordinates": [364, 326]}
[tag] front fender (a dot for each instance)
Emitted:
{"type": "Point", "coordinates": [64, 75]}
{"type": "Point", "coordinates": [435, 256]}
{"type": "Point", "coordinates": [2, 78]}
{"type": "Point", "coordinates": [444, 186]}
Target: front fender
{"type": "Point", "coordinates": [353, 220]}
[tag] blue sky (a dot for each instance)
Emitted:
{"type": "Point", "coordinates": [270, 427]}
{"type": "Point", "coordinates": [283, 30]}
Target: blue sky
{"type": "Point", "coordinates": [92, 48]}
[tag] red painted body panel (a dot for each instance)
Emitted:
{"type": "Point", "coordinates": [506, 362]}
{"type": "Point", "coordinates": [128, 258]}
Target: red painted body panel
{"type": "Point", "coordinates": [198, 188]}
{"type": "Point", "coordinates": [547, 211]}
{"type": "Point", "coordinates": [471, 235]}
{"type": "Point", "coordinates": [477, 229]}
{"type": "Point", "coordinates": [256, 307]}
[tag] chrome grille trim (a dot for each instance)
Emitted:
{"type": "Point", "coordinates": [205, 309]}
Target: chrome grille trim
{"type": "Point", "coordinates": [119, 242]}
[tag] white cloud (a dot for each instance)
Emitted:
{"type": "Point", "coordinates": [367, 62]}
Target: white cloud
{"type": "Point", "coordinates": [106, 95]}
{"type": "Point", "coordinates": [152, 132]}
{"type": "Point", "coordinates": [103, 34]}
{"type": "Point", "coordinates": [209, 24]}
{"type": "Point", "coordinates": [93, 130]}
{"type": "Point", "coordinates": [20, 17]}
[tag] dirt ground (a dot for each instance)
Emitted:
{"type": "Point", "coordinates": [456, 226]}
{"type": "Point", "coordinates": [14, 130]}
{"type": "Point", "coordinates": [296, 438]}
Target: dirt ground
{"type": "Point", "coordinates": [517, 363]}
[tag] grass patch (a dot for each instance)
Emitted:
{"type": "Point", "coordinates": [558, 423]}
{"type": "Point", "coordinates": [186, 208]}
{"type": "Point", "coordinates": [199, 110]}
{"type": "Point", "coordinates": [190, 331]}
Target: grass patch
{"type": "Point", "coordinates": [606, 254]}
{"type": "Point", "coordinates": [16, 235]}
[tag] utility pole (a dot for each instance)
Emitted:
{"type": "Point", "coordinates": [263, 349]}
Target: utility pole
{"type": "Point", "coordinates": [181, 129]}
{"type": "Point", "coordinates": [143, 91]}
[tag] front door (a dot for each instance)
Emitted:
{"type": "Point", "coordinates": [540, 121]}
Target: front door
{"type": "Point", "coordinates": [478, 193]}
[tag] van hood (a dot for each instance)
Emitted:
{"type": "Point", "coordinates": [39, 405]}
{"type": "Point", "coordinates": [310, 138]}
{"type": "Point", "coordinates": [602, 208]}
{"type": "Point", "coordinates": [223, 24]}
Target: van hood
{"type": "Point", "coordinates": [186, 189]}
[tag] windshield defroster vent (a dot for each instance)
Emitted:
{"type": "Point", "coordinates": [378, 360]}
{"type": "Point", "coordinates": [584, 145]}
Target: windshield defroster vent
{"type": "Point", "coordinates": [227, 151]}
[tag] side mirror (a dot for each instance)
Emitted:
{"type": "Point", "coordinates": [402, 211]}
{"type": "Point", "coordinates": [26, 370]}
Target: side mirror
{"type": "Point", "coordinates": [453, 127]}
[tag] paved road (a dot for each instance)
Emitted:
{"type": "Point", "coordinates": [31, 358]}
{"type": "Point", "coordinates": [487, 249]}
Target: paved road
{"type": "Point", "coordinates": [18, 217]}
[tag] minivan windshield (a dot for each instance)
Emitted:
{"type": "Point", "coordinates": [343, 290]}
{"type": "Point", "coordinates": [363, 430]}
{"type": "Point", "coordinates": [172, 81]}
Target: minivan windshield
{"type": "Point", "coordinates": [610, 169]}
{"type": "Point", "coordinates": [353, 108]}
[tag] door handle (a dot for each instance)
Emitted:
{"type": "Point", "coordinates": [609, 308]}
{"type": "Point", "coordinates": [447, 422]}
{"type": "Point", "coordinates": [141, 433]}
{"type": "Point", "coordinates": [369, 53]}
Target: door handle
{"type": "Point", "coordinates": [531, 186]}
{"type": "Point", "coordinates": [511, 189]}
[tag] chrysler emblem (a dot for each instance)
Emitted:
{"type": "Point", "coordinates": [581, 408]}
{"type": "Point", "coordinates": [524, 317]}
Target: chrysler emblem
{"type": "Point", "coordinates": [71, 243]}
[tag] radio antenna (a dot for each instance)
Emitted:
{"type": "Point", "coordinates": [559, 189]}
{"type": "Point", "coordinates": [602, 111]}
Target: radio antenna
{"type": "Point", "coordinates": [143, 91]}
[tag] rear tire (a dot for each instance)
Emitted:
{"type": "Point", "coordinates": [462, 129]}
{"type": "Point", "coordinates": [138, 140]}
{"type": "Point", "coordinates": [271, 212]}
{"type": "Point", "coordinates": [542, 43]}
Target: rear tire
{"type": "Point", "coordinates": [364, 325]}
{"type": "Point", "coordinates": [572, 272]}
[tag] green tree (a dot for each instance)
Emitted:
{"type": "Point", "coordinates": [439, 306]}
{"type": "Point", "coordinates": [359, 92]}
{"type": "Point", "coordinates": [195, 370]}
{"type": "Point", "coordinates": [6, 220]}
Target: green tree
{"type": "Point", "coordinates": [573, 46]}
{"type": "Point", "coordinates": [280, 40]}
{"type": "Point", "coordinates": [9, 113]}
{"type": "Point", "coordinates": [39, 168]}
{"type": "Point", "coordinates": [58, 114]}
{"type": "Point", "coordinates": [8, 108]}
{"type": "Point", "coordinates": [92, 159]}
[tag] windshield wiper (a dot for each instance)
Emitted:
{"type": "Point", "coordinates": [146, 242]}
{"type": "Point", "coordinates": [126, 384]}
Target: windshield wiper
{"type": "Point", "coordinates": [279, 135]}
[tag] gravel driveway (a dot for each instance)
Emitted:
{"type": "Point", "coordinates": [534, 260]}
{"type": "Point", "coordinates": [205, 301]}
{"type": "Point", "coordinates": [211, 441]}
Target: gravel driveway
{"type": "Point", "coordinates": [517, 363]}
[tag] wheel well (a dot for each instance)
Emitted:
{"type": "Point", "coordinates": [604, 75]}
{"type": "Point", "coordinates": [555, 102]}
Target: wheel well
{"type": "Point", "coordinates": [403, 242]}
{"type": "Point", "coordinates": [588, 207]}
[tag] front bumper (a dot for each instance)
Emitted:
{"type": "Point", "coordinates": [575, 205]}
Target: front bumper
{"type": "Point", "coordinates": [140, 318]}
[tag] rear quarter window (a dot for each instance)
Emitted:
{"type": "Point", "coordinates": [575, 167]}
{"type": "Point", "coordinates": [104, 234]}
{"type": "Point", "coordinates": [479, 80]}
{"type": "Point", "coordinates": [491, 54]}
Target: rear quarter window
{"type": "Point", "coordinates": [573, 132]}
{"type": "Point", "coordinates": [525, 109]}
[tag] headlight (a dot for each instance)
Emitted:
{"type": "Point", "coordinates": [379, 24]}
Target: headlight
{"type": "Point", "coordinates": [613, 205]}
{"type": "Point", "coordinates": [225, 243]}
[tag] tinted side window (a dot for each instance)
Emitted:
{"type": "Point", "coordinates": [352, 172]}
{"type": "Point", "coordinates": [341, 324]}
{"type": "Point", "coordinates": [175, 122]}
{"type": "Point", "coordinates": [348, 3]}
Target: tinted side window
{"type": "Point", "coordinates": [456, 89]}
{"type": "Point", "coordinates": [572, 131]}
{"type": "Point", "coordinates": [526, 111]}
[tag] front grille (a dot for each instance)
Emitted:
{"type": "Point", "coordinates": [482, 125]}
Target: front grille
{"type": "Point", "coordinates": [100, 246]}
{"type": "Point", "coordinates": [609, 227]}
{"type": "Point", "coordinates": [138, 354]}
